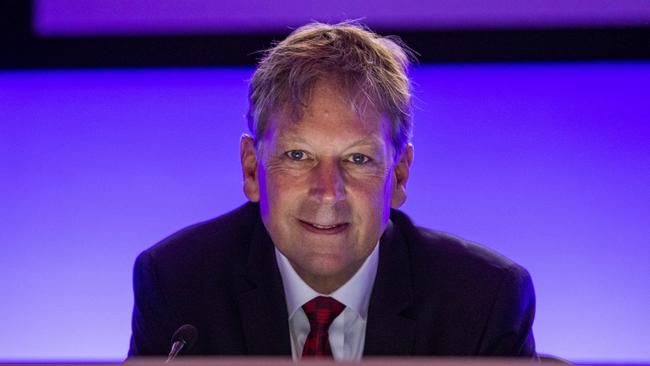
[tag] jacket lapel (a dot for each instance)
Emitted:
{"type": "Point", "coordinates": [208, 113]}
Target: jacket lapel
{"type": "Point", "coordinates": [262, 304]}
{"type": "Point", "coordinates": [388, 332]}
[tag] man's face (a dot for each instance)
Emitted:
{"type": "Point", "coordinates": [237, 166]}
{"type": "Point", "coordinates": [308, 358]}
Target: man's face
{"type": "Point", "coordinates": [325, 184]}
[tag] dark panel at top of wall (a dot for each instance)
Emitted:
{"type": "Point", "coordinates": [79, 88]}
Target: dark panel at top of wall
{"type": "Point", "coordinates": [20, 49]}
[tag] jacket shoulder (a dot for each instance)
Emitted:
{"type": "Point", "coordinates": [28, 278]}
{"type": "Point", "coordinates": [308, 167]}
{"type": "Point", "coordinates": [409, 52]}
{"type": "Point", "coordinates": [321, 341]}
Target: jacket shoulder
{"type": "Point", "coordinates": [473, 300]}
{"type": "Point", "coordinates": [443, 251]}
{"type": "Point", "coordinates": [178, 280]}
{"type": "Point", "coordinates": [221, 240]}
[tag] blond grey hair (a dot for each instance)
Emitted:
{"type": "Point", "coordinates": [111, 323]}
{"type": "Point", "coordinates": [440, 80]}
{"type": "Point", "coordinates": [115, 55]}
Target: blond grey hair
{"type": "Point", "coordinates": [358, 59]}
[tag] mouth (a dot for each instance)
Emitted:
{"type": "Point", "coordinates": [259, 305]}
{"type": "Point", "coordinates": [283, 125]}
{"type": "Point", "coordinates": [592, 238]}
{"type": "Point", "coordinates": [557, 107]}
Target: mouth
{"type": "Point", "coordinates": [324, 229]}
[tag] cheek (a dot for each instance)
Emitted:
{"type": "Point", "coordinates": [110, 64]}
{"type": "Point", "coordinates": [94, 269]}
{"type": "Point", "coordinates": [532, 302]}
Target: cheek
{"type": "Point", "coordinates": [280, 189]}
{"type": "Point", "coordinates": [264, 193]}
{"type": "Point", "coordinates": [372, 195]}
{"type": "Point", "coordinates": [372, 198]}
{"type": "Point", "coordinates": [389, 185]}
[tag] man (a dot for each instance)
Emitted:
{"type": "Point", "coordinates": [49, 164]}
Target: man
{"type": "Point", "coordinates": [320, 262]}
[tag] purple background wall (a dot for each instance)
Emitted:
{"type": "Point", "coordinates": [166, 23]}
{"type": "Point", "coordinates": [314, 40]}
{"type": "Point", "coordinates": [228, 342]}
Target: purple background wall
{"type": "Point", "coordinates": [546, 163]}
{"type": "Point", "coordinates": [64, 17]}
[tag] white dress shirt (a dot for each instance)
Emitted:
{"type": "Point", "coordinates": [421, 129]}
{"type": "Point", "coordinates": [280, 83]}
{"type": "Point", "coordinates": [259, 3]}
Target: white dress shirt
{"type": "Point", "coordinates": [347, 334]}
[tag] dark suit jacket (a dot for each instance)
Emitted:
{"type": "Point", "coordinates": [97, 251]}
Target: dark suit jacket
{"type": "Point", "coordinates": [433, 295]}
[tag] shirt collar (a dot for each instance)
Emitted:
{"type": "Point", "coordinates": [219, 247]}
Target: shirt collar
{"type": "Point", "coordinates": [354, 294]}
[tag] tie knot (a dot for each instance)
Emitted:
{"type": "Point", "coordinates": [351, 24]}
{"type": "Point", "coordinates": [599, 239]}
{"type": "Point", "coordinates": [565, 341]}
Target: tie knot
{"type": "Point", "coordinates": [321, 311]}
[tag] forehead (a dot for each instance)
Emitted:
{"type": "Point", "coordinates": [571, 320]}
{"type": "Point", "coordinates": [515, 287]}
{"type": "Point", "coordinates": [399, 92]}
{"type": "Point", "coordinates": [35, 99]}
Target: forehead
{"type": "Point", "coordinates": [330, 113]}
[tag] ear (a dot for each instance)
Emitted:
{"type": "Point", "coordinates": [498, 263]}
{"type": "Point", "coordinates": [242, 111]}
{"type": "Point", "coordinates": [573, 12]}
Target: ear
{"type": "Point", "coordinates": [400, 176]}
{"type": "Point", "coordinates": [248, 156]}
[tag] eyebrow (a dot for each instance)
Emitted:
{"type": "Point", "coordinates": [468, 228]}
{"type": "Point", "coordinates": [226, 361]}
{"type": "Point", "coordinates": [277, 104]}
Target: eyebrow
{"type": "Point", "coordinates": [370, 140]}
{"type": "Point", "coordinates": [291, 138]}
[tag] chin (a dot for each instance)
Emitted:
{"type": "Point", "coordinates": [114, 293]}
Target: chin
{"type": "Point", "coordinates": [325, 266]}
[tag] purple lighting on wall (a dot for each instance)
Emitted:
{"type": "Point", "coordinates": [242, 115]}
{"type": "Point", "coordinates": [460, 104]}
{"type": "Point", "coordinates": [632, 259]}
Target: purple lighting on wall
{"type": "Point", "coordinates": [545, 163]}
{"type": "Point", "coordinates": [63, 17]}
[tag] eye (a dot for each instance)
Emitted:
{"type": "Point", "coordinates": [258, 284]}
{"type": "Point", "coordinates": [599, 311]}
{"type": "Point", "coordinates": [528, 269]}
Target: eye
{"type": "Point", "coordinates": [358, 159]}
{"type": "Point", "coordinates": [296, 155]}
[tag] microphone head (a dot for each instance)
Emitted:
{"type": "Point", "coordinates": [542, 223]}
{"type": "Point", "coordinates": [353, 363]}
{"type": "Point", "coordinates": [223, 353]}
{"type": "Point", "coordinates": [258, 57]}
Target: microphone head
{"type": "Point", "coordinates": [187, 334]}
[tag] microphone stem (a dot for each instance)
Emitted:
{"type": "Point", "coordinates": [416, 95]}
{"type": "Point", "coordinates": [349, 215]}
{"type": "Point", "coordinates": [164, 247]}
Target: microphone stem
{"type": "Point", "coordinates": [176, 349]}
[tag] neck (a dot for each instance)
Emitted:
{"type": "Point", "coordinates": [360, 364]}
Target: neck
{"type": "Point", "coordinates": [326, 284]}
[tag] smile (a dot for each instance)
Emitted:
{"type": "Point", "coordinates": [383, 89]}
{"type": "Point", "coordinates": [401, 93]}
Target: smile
{"type": "Point", "coordinates": [324, 229]}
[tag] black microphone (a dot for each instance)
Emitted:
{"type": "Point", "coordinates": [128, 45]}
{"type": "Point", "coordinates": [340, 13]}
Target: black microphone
{"type": "Point", "coordinates": [183, 338]}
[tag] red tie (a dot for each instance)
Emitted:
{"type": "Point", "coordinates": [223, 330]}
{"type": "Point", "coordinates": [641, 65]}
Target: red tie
{"type": "Point", "coordinates": [320, 311]}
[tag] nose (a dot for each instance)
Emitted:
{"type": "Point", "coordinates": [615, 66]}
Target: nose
{"type": "Point", "coordinates": [327, 182]}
